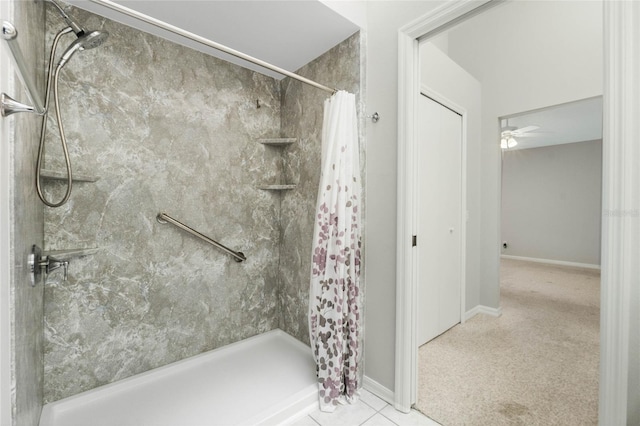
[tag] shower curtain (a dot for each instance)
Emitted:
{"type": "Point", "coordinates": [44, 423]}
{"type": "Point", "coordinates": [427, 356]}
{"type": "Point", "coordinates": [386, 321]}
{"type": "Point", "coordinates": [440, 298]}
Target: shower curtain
{"type": "Point", "coordinates": [334, 296]}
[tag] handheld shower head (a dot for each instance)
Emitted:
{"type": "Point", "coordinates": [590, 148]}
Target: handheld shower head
{"type": "Point", "coordinates": [88, 40]}
{"type": "Point", "coordinates": [85, 40]}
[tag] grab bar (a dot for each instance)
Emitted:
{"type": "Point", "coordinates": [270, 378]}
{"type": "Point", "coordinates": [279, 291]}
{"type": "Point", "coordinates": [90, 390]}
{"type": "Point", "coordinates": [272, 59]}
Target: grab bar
{"type": "Point", "coordinates": [8, 105]}
{"type": "Point", "coordinates": [238, 256]}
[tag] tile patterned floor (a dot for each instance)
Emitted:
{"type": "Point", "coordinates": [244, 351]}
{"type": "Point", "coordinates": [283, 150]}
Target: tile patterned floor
{"type": "Point", "coordinates": [368, 411]}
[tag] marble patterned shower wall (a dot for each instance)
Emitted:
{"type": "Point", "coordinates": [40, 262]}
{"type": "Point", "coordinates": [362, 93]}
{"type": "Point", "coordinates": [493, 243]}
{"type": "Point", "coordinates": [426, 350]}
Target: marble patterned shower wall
{"type": "Point", "coordinates": [163, 128]}
{"type": "Point", "coordinates": [302, 115]}
{"type": "Point", "coordinates": [27, 340]}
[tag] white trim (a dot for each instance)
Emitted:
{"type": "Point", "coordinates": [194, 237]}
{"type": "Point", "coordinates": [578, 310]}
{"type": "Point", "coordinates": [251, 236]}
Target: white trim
{"type": "Point", "coordinates": [443, 16]}
{"type": "Point", "coordinates": [406, 360]}
{"type": "Point", "coordinates": [377, 389]}
{"type": "Point", "coordinates": [6, 85]}
{"type": "Point", "coordinates": [621, 207]}
{"type": "Point", "coordinates": [620, 249]}
{"type": "Point", "coordinates": [551, 262]}
{"type": "Point", "coordinates": [481, 309]}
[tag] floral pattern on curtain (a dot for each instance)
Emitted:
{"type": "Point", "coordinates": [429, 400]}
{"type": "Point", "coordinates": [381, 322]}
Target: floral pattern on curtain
{"type": "Point", "coordinates": [334, 296]}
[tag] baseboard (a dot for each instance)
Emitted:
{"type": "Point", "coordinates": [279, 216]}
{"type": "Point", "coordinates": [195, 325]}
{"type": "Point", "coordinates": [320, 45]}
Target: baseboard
{"type": "Point", "coordinates": [552, 262]}
{"type": "Point", "coordinates": [481, 309]}
{"type": "Point", "coordinates": [378, 390]}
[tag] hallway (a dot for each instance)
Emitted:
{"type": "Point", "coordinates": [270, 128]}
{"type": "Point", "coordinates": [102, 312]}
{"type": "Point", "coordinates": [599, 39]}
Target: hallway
{"type": "Point", "coordinates": [537, 364]}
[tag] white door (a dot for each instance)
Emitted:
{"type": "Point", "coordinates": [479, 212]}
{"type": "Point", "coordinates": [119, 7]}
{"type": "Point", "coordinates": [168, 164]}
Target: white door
{"type": "Point", "coordinates": [439, 202]}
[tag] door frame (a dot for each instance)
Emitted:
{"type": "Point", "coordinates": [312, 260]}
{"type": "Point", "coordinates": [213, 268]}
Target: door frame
{"type": "Point", "coordinates": [425, 90]}
{"type": "Point", "coordinates": [409, 85]}
{"type": "Point", "coordinates": [620, 248]}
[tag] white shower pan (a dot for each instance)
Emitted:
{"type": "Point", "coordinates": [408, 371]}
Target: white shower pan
{"type": "Point", "coordinates": [268, 379]}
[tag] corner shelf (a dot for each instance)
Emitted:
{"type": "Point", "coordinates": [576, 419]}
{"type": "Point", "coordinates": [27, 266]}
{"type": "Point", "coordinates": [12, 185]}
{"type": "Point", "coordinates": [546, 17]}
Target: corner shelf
{"type": "Point", "coordinates": [53, 175]}
{"type": "Point", "coordinates": [284, 187]}
{"type": "Point", "coordinates": [278, 141]}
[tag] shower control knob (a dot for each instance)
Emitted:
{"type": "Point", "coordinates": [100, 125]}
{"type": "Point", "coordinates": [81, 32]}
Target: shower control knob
{"type": "Point", "coordinates": [44, 265]}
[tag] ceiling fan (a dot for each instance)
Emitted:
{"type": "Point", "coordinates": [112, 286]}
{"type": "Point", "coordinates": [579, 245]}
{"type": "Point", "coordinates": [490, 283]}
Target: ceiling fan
{"type": "Point", "coordinates": [509, 133]}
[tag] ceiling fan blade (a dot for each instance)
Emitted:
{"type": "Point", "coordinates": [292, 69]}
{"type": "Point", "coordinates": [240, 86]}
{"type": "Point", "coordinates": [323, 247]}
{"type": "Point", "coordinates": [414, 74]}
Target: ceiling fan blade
{"type": "Point", "coordinates": [532, 134]}
{"type": "Point", "coordinates": [526, 129]}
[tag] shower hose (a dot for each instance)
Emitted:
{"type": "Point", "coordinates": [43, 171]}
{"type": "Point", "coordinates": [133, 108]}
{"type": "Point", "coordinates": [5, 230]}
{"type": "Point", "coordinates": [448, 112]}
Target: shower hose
{"type": "Point", "coordinates": [55, 77]}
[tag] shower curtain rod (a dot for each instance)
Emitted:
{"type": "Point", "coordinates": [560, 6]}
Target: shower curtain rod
{"type": "Point", "coordinates": [171, 28]}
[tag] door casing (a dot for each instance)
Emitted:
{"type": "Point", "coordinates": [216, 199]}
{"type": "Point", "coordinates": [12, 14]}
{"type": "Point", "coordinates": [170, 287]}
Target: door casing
{"type": "Point", "coordinates": [619, 247]}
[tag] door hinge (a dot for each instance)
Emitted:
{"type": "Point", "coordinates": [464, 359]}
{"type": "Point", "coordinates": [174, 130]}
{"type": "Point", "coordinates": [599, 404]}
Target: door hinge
{"type": "Point", "coordinates": [414, 241]}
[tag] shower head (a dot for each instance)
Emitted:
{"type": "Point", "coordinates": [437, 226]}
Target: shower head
{"type": "Point", "coordinates": [88, 40]}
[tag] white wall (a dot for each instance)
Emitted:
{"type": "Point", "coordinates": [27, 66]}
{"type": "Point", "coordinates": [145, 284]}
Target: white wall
{"type": "Point", "coordinates": [355, 11]}
{"type": "Point", "coordinates": [552, 202]}
{"type": "Point", "coordinates": [384, 18]}
{"type": "Point", "coordinates": [527, 55]}
{"type": "Point", "coordinates": [441, 75]}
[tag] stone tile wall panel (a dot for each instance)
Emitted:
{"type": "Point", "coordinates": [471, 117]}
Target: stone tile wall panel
{"type": "Point", "coordinates": [164, 128]}
{"type": "Point", "coordinates": [27, 218]}
{"type": "Point", "coordinates": [302, 116]}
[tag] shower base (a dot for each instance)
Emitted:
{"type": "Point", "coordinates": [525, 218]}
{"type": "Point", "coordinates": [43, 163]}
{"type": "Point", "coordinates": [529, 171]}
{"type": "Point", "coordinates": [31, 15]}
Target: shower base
{"type": "Point", "coordinates": [268, 379]}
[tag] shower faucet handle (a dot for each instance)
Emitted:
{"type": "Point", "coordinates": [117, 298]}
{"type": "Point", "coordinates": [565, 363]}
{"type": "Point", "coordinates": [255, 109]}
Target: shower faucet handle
{"type": "Point", "coordinates": [51, 264]}
{"type": "Point", "coordinates": [42, 264]}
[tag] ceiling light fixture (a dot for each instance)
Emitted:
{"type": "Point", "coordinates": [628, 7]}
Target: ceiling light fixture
{"type": "Point", "coordinates": [507, 142]}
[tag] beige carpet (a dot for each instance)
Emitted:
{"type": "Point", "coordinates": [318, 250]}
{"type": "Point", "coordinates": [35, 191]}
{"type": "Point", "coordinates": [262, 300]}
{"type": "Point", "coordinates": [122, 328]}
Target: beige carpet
{"type": "Point", "coordinates": [537, 364]}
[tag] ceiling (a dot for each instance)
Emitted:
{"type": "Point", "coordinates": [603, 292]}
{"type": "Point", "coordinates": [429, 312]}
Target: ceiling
{"type": "Point", "coordinates": [288, 34]}
{"type": "Point", "coordinates": [579, 121]}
